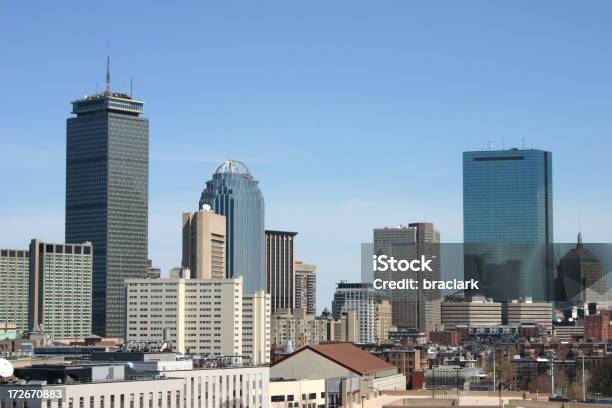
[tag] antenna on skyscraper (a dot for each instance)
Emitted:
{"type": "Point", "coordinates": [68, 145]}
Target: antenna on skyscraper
{"type": "Point", "coordinates": [131, 87]}
{"type": "Point", "coordinates": [523, 139]}
{"type": "Point", "coordinates": [108, 77]}
{"type": "Point", "coordinates": [490, 143]}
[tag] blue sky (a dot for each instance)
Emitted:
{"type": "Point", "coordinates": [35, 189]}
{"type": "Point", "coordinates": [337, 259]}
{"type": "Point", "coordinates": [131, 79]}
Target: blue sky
{"type": "Point", "coordinates": [352, 115]}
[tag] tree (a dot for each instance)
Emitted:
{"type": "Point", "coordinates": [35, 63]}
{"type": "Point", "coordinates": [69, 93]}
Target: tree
{"type": "Point", "coordinates": [541, 383]}
{"type": "Point", "coordinates": [600, 379]}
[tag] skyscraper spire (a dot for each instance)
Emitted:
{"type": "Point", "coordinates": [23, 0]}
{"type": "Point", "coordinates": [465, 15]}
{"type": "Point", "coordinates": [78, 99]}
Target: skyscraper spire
{"type": "Point", "coordinates": [108, 77]}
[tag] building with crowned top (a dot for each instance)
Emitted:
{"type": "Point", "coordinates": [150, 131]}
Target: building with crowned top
{"type": "Point", "coordinates": [234, 193]}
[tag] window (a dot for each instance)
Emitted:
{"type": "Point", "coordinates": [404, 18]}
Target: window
{"type": "Point", "coordinates": [278, 398]}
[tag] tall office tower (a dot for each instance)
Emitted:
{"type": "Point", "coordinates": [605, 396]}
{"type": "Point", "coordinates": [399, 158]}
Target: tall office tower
{"type": "Point", "coordinates": [360, 298]}
{"type": "Point", "coordinates": [280, 269]}
{"type": "Point", "coordinates": [234, 193]}
{"type": "Point", "coordinates": [60, 297]}
{"type": "Point", "coordinates": [256, 326]}
{"type": "Point", "coordinates": [14, 278]}
{"type": "Point", "coordinates": [508, 222]}
{"type": "Point", "coordinates": [201, 315]}
{"type": "Point", "coordinates": [107, 185]}
{"type": "Point", "coordinates": [306, 287]}
{"type": "Point", "coordinates": [581, 276]}
{"type": "Point", "coordinates": [204, 244]}
{"type": "Point", "coordinates": [418, 308]}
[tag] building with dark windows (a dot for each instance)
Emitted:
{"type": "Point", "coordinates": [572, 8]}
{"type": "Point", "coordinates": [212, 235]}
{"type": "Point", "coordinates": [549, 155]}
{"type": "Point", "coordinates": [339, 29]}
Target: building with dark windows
{"type": "Point", "coordinates": [14, 272]}
{"type": "Point", "coordinates": [107, 184]}
{"type": "Point", "coordinates": [580, 276]}
{"type": "Point", "coordinates": [306, 287]}
{"type": "Point", "coordinates": [280, 269]}
{"type": "Point", "coordinates": [234, 193]}
{"type": "Point", "coordinates": [508, 222]}
{"type": "Point", "coordinates": [418, 308]}
{"type": "Point", "coordinates": [60, 282]}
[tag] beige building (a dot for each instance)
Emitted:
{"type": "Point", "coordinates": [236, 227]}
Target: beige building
{"type": "Point", "coordinates": [478, 312]}
{"type": "Point", "coordinates": [204, 244]}
{"type": "Point", "coordinates": [60, 291]}
{"type": "Point", "coordinates": [345, 329]}
{"type": "Point", "coordinates": [256, 327]}
{"type": "Point", "coordinates": [525, 310]}
{"type": "Point", "coordinates": [297, 327]}
{"type": "Point", "coordinates": [14, 276]}
{"type": "Point", "coordinates": [202, 315]}
{"type": "Point", "coordinates": [306, 287]}
{"type": "Point", "coordinates": [383, 320]}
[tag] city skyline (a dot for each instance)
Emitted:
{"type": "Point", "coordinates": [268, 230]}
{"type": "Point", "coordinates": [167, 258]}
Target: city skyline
{"type": "Point", "coordinates": [332, 154]}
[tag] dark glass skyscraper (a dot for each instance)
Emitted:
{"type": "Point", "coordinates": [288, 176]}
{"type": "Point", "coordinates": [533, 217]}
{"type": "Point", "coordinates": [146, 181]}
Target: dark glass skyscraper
{"type": "Point", "coordinates": [234, 193]}
{"type": "Point", "coordinates": [107, 184]}
{"type": "Point", "coordinates": [507, 221]}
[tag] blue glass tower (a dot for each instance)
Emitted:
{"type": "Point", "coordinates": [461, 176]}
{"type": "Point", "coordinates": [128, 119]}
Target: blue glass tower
{"type": "Point", "coordinates": [507, 221]}
{"type": "Point", "coordinates": [234, 193]}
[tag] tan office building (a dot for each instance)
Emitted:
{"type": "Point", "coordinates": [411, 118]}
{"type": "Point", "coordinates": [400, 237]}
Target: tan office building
{"type": "Point", "coordinates": [525, 310]}
{"type": "Point", "coordinates": [256, 327]}
{"type": "Point", "coordinates": [383, 320]}
{"type": "Point", "coordinates": [479, 312]}
{"type": "Point", "coordinates": [204, 244]}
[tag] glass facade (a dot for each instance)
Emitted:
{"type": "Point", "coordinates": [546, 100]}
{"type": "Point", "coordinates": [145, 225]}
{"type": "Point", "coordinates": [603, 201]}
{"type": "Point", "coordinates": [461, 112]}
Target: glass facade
{"type": "Point", "coordinates": [107, 179]}
{"type": "Point", "coordinates": [234, 193]}
{"type": "Point", "coordinates": [507, 221]}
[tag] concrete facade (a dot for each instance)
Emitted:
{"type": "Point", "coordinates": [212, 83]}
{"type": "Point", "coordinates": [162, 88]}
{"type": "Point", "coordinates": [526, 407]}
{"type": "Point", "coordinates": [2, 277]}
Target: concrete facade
{"type": "Point", "coordinates": [204, 244]}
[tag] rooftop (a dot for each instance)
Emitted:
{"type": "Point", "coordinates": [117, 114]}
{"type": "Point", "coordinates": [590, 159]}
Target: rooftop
{"type": "Point", "coordinates": [348, 356]}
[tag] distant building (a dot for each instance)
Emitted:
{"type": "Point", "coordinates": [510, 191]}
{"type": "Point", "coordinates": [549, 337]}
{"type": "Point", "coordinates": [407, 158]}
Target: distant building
{"type": "Point", "coordinates": [153, 272]}
{"type": "Point", "coordinates": [598, 327]}
{"type": "Point", "coordinates": [517, 312]}
{"type": "Point", "coordinates": [14, 278]}
{"type": "Point", "coordinates": [280, 268]}
{"type": "Point", "coordinates": [306, 287]}
{"type": "Point", "coordinates": [107, 197]}
{"type": "Point", "coordinates": [200, 315]}
{"type": "Point", "coordinates": [360, 298]}
{"type": "Point", "coordinates": [234, 193]}
{"type": "Point", "coordinates": [508, 222]}
{"type": "Point", "coordinates": [204, 241]}
{"type": "Point", "coordinates": [383, 319]}
{"type": "Point", "coordinates": [256, 326]}
{"type": "Point", "coordinates": [407, 360]}
{"type": "Point", "coordinates": [299, 328]}
{"type": "Point", "coordinates": [60, 299]}
{"type": "Point", "coordinates": [417, 308]}
{"type": "Point", "coordinates": [581, 276]}
{"type": "Point", "coordinates": [479, 312]}
{"type": "Point", "coordinates": [447, 337]}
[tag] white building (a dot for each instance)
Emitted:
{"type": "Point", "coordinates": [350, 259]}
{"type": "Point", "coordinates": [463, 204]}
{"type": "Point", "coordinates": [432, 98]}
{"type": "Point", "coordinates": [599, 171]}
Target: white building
{"type": "Point", "coordinates": [525, 310]}
{"type": "Point", "coordinates": [287, 393]}
{"type": "Point", "coordinates": [202, 315]}
{"type": "Point", "coordinates": [478, 312]}
{"type": "Point", "coordinates": [167, 385]}
{"type": "Point", "coordinates": [349, 371]}
{"type": "Point", "coordinates": [256, 326]}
